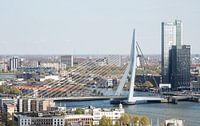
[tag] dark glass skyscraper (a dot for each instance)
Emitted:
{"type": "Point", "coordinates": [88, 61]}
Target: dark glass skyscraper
{"type": "Point", "coordinates": [179, 66]}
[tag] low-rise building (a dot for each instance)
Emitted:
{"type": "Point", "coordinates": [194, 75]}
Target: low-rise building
{"type": "Point", "coordinates": [50, 77]}
{"type": "Point", "coordinates": [101, 62]}
{"type": "Point", "coordinates": [38, 119]}
{"type": "Point", "coordinates": [110, 82]}
{"type": "Point", "coordinates": [173, 122]}
{"type": "Point", "coordinates": [51, 65]}
{"type": "Point", "coordinates": [82, 120]}
{"type": "Point", "coordinates": [113, 114]}
{"type": "Point", "coordinates": [195, 84]}
{"type": "Point", "coordinates": [3, 67]}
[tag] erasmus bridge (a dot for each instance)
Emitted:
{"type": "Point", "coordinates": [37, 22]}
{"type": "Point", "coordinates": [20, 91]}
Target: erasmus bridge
{"type": "Point", "coordinates": [76, 87]}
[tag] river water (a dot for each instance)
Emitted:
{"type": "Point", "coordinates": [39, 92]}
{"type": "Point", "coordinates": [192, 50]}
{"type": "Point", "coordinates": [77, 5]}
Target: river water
{"type": "Point", "coordinates": [187, 111]}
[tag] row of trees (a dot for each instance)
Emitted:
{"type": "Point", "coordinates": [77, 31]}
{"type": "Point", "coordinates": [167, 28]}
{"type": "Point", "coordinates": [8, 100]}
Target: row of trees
{"type": "Point", "coordinates": [7, 119]}
{"type": "Point", "coordinates": [126, 120]}
{"type": "Point", "coordinates": [79, 111]}
{"type": "Point", "coordinates": [9, 89]}
{"type": "Point", "coordinates": [148, 70]}
{"type": "Point", "coordinates": [146, 84]}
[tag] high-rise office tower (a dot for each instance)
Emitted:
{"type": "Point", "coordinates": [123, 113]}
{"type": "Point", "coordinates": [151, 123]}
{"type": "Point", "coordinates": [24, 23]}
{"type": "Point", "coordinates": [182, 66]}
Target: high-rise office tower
{"type": "Point", "coordinates": [179, 33]}
{"type": "Point", "coordinates": [171, 34]}
{"type": "Point", "coordinates": [179, 67]}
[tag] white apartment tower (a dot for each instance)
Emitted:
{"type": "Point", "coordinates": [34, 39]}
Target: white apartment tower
{"type": "Point", "coordinates": [14, 63]}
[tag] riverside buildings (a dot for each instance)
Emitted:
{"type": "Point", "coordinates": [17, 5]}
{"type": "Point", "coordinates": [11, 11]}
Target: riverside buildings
{"type": "Point", "coordinates": [92, 117]}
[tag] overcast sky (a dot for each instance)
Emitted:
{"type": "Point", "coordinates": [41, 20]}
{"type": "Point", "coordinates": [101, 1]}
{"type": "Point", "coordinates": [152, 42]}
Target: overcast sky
{"type": "Point", "coordinates": [92, 26]}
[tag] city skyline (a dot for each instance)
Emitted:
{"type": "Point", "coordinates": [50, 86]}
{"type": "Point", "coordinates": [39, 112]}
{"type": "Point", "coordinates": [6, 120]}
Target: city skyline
{"type": "Point", "coordinates": [90, 27]}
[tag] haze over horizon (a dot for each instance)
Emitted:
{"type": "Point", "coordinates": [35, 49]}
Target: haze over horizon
{"type": "Point", "coordinates": [92, 27]}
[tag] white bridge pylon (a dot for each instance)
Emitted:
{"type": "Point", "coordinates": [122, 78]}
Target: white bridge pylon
{"type": "Point", "coordinates": [131, 69]}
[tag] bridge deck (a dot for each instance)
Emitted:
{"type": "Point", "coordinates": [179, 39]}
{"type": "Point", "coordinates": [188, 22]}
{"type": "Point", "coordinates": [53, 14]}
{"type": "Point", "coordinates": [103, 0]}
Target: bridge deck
{"type": "Point", "coordinates": [89, 98]}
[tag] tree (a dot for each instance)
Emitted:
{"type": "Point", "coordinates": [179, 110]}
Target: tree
{"type": "Point", "coordinates": [99, 93]}
{"type": "Point", "coordinates": [1, 89]}
{"type": "Point", "coordinates": [148, 84]}
{"type": "Point", "coordinates": [7, 119]}
{"type": "Point", "coordinates": [79, 111]}
{"type": "Point", "coordinates": [135, 119]}
{"type": "Point", "coordinates": [105, 121]}
{"type": "Point", "coordinates": [11, 123]}
{"type": "Point", "coordinates": [125, 119]}
{"type": "Point", "coordinates": [94, 91]}
{"type": "Point", "coordinates": [144, 121]}
{"type": "Point", "coordinates": [14, 90]}
{"type": "Point", "coordinates": [118, 123]}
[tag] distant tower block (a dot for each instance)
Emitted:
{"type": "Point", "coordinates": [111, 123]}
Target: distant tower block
{"type": "Point", "coordinates": [138, 61]}
{"type": "Point", "coordinates": [131, 69]}
{"type": "Point", "coordinates": [13, 63]}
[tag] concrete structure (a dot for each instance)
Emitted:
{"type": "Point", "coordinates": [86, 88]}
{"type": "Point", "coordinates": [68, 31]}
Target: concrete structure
{"type": "Point", "coordinates": [179, 67]}
{"type": "Point", "coordinates": [115, 60]}
{"type": "Point", "coordinates": [131, 69]}
{"type": "Point", "coordinates": [171, 34]}
{"type": "Point", "coordinates": [113, 114]}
